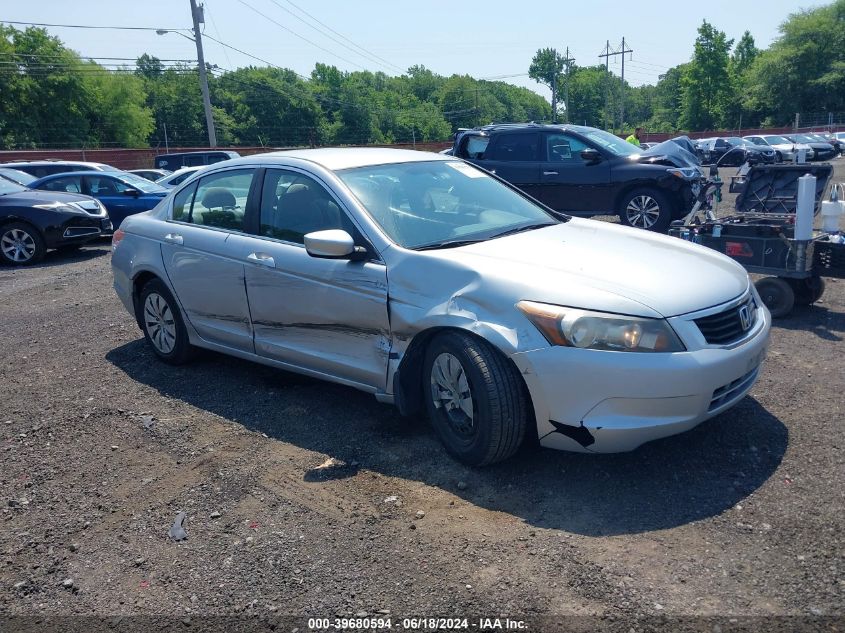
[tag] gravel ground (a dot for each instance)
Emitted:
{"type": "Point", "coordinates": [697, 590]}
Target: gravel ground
{"type": "Point", "coordinates": [101, 446]}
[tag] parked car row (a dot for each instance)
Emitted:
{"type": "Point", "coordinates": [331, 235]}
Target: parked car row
{"type": "Point", "coordinates": [766, 148]}
{"type": "Point", "coordinates": [58, 204]}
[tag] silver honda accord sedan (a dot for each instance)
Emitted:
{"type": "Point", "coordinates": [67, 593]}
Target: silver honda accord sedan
{"type": "Point", "coordinates": [441, 289]}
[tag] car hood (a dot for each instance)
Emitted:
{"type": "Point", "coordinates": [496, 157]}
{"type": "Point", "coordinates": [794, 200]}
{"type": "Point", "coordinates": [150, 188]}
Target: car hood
{"type": "Point", "coordinates": [601, 266]}
{"type": "Point", "coordinates": [678, 152]}
{"type": "Point", "coordinates": [33, 196]}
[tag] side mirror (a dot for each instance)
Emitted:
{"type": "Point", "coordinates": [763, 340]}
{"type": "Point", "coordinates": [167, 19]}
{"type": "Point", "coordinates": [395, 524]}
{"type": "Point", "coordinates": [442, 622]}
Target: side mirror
{"type": "Point", "coordinates": [332, 244]}
{"type": "Point", "coordinates": [131, 192]}
{"type": "Point", "coordinates": [590, 155]}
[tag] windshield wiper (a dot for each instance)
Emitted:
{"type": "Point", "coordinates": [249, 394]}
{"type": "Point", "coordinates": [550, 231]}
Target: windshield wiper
{"type": "Point", "coordinates": [520, 229]}
{"type": "Point", "coordinates": [449, 244]}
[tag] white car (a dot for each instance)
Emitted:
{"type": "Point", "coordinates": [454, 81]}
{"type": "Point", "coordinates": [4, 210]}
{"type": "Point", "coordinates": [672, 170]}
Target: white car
{"type": "Point", "coordinates": [178, 177]}
{"type": "Point", "coordinates": [785, 150]}
{"type": "Point", "coordinates": [436, 286]}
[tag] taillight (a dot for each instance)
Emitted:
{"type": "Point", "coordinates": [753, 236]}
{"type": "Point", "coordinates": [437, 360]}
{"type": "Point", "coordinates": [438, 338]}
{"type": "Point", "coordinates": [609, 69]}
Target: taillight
{"type": "Point", "coordinates": [116, 237]}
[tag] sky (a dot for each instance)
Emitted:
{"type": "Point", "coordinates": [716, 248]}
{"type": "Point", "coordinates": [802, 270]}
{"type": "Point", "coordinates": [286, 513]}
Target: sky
{"type": "Point", "coordinates": [485, 39]}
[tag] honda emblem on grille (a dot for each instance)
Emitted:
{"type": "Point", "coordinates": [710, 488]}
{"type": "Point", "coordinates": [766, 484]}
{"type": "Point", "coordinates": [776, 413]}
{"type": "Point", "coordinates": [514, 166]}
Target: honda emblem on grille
{"type": "Point", "coordinates": [744, 318]}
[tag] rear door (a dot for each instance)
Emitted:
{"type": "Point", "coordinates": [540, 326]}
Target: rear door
{"type": "Point", "coordinates": [514, 156]}
{"type": "Point", "coordinates": [203, 263]}
{"type": "Point", "coordinates": [569, 183]}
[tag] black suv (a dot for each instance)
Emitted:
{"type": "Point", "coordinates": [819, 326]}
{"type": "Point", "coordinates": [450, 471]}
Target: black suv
{"type": "Point", "coordinates": [192, 159]}
{"type": "Point", "coordinates": [586, 171]}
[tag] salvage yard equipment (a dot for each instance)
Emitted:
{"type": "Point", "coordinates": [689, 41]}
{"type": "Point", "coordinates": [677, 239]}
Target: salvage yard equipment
{"type": "Point", "coordinates": [762, 234]}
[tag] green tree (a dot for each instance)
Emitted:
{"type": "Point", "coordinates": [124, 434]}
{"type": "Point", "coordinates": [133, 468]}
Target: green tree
{"type": "Point", "coordinates": [804, 69]}
{"type": "Point", "coordinates": [546, 68]}
{"type": "Point", "coordinates": [118, 113]}
{"type": "Point", "coordinates": [706, 86]}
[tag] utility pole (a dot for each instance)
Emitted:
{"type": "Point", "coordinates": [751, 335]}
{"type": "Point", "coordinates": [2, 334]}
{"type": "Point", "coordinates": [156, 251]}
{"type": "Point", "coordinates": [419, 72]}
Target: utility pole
{"type": "Point", "coordinates": [608, 53]}
{"type": "Point", "coordinates": [554, 92]}
{"type": "Point", "coordinates": [568, 61]}
{"type": "Point", "coordinates": [606, 56]}
{"type": "Point", "coordinates": [197, 16]}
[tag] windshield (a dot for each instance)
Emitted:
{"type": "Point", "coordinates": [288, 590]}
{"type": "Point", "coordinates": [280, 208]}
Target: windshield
{"type": "Point", "coordinates": [141, 184]}
{"type": "Point", "coordinates": [611, 143]}
{"type": "Point", "coordinates": [736, 141]}
{"type": "Point", "coordinates": [777, 140]}
{"type": "Point", "coordinates": [803, 138]}
{"type": "Point", "coordinates": [7, 186]}
{"type": "Point", "coordinates": [434, 202]}
{"type": "Point", "coordinates": [17, 176]}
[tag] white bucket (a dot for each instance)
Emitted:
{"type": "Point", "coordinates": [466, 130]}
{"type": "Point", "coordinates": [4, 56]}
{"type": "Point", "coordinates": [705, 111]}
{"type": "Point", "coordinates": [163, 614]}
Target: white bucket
{"type": "Point", "coordinates": [831, 214]}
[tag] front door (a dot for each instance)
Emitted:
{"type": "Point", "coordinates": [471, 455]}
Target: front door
{"type": "Point", "coordinates": [569, 183]}
{"type": "Point", "coordinates": [326, 315]}
{"type": "Point", "coordinates": [202, 261]}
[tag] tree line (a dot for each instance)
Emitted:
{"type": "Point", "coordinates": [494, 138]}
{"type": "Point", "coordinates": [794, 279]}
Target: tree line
{"type": "Point", "coordinates": [52, 97]}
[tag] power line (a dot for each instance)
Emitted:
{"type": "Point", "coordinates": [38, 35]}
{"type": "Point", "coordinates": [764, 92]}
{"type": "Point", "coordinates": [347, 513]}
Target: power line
{"type": "Point", "coordinates": [295, 34]}
{"type": "Point", "coordinates": [90, 26]}
{"type": "Point", "coordinates": [370, 57]}
{"type": "Point", "coordinates": [298, 8]}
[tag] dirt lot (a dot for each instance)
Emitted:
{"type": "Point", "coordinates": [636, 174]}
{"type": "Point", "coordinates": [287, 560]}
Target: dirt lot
{"type": "Point", "coordinates": [101, 446]}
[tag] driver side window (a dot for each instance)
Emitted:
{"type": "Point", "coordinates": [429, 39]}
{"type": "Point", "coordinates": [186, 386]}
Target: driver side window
{"type": "Point", "coordinates": [564, 148]}
{"type": "Point", "coordinates": [293, 205]}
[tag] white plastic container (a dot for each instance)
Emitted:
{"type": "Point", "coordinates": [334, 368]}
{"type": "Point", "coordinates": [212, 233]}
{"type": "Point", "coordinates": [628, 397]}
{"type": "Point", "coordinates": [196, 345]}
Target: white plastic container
{"type": "Point", "coordinates": [831, 214]}
{"type": "Point", "coordinates": [806, 204]}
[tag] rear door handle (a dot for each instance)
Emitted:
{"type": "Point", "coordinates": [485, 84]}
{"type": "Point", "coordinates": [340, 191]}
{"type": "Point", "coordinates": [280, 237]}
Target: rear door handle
{"type": "Point", "coordinates": [550, 173]}
{"type": "Point", "coordinates": [262, 258]}
{"type": "Point", "coordinates": [173, 238]}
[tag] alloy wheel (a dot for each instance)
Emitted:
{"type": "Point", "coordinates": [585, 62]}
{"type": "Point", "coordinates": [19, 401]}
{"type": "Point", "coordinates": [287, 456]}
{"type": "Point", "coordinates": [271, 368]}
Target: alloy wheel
{"type": "Point", "coordinates": [18, 245]}
{"type": "Point", "coordinates": [451, 394]}
{"type": "Point", "coordinates": [160, 324]}
{"type": "Point", "coordinates": [642, 211]}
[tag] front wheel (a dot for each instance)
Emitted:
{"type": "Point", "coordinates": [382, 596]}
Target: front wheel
{"type": "Point", "coordinates": [162, 324]}
{"type": "Point", "coordinates": [646, 209]}
{"type": "Point", "coordinates": [475, 398]}
{"type": "Point", "coordinates": [21, 244]}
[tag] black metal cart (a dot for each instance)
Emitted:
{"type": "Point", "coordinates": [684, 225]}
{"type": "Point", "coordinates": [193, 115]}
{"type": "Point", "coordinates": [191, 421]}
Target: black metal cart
{"type": "Point", "coordinates": [761, 235]}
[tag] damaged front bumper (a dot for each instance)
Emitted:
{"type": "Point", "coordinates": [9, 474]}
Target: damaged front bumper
{"type": "Point", "coordinates": [611, 402]}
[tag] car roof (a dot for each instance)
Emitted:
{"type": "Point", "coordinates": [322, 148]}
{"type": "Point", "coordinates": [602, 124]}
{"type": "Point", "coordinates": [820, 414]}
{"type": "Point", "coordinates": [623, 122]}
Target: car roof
{"type": "Point", "coordinates": [100, 174]}
{"type": "Point", "coordinates": [56, 162]}
{"type": "Point", "coordinates": [337, 158]}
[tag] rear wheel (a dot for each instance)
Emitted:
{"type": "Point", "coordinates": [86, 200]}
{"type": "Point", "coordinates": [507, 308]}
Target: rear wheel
{"type": "Point", "coordinates": [475, 399]}
{"type": "Point", "coordinates": [21, 244]}
{"type": "Point", "coordinates": [646, 209]}
{"type": "Point", "coordinates": [777, 294]}
{"type": "Point", "coordinates": [162, 324]}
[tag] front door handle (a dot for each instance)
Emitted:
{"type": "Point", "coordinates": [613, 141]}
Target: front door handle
{"type": "Point", "coordinates": [550, 173]}
{"type": "Point", "coordinates": [262, 258]}
{"type": "Point", "coordinates": [173, 238]}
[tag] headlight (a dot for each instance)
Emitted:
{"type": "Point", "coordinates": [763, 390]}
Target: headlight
{"type": "Point", "coordinates": [687, 173]}
{"type": "Point", "coordinates": [571, 327]}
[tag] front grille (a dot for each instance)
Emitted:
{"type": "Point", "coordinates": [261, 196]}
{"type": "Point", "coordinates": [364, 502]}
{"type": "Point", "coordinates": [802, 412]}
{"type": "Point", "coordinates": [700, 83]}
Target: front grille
{"type": "Point", "coordinates": [728, 392]}
{"type": "Point", "coordinates": [727, 326]}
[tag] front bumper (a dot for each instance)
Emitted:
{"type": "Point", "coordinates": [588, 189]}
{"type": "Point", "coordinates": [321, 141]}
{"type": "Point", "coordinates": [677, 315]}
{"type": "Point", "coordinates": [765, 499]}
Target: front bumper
{"type": "Point", "coordinates": [77, 230]}
{"type": "Point", "coordinates": [609, 402]}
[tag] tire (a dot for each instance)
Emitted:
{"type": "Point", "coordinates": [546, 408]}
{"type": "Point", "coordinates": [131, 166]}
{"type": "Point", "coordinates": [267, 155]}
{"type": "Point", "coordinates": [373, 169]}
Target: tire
{"type": "Point", "coordinates": [807, 291]}
{"type": "Point", "coordinates": [457, 363]}
{"type": "Point", "coordinates": [777, 294]}
{"type": "Point", "coordinates": [778, 157]}
{"type": "Point", "coordinates": [646, 208]}
{"type": "Point", "coordinates": [162, 324]}
{"type": "Point", "coordinates": [21, 244]}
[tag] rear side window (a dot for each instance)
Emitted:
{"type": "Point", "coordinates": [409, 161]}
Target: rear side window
{"type": "Point", "coordinates": [73, 184]}
{"type": "Point", "coordinates": [516, 147]}
{"type": "Point", "coordinates": [220, 199]}
{"type": "Point", "coordinates": [474, 147]}
{"type": "Point", "coordinates": [193, 161]}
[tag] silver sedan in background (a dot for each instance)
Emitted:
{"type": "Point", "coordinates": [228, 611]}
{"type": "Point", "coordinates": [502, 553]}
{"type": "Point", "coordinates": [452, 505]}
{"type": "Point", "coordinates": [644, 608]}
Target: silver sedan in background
{"type": "Point", "coordinates": [437, 287]}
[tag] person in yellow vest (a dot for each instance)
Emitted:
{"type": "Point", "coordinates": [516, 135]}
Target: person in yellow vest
{"type": "Point", "coordinates": [634, 138]}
